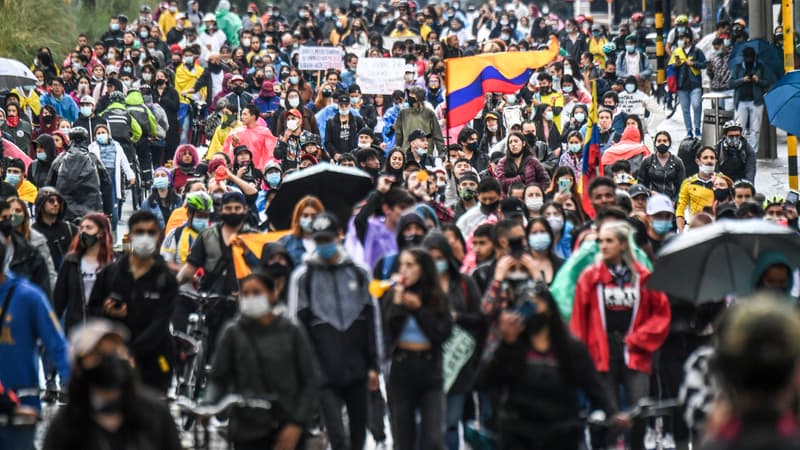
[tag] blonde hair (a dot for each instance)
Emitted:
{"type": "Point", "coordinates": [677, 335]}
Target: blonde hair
{"type": "Point", "coordinates": [623, 232]}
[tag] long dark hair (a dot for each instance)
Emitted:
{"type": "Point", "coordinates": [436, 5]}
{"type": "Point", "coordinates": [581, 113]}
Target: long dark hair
{"type": "Point", "coordinates": [430, 290]}
{"type": "Point", "coordinates": [438, 241]}
{"type": "Point", "coordinates": [508, 165]}
{"type": "Point", "coordinates": [549, 230]}
{"type": "Point", "coordinates": [561, 342]}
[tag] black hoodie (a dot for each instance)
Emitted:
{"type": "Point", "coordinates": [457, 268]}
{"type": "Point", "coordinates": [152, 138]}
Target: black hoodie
{"type": "Point", "coordinates": [60, 234]}
{"type": "Point", "coordinates": [38, 170]}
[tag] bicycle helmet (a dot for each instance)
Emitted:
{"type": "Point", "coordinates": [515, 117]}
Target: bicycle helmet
{"type": "Point", "coordinates": [637, 16]}
{"type": "Point", "coordinates": [199, 201]}
{"type": "Point", "coordinates": [116, 97]}
{"type": "Point", "coordinates": [79, 135]}
{"type": "Point", "coordinates": [773, 200]}
{"type": "Point", "coordinates": [609, 47]}
{"type": "Point", "coordinates": [682, 19]}
{"type": "Point", "coordinates": [731, 125]}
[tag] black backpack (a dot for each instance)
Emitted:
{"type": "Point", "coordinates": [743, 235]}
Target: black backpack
{"type": "Point", "coordinates": [687, 152]}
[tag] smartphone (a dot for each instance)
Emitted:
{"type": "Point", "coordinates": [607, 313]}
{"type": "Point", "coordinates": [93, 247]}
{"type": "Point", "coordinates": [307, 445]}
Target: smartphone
{"type": "Point", "coordinates": [792, 197]}
{"type": "Point", "coordinates": [563, 184]}
{"type": "Point", "coordinates": [117, 299]}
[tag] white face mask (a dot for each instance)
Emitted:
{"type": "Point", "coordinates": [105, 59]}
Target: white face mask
{"type": "Point", "coordinates": [143, 245]}
{"type": "Point", "coordinates": [294, 102]}
{"type": "Point", "coordinates": [254, 306]}
{"type": "Point", "coordinates": [292, 124]}
{"type": "Point", "coordinates": [556, 223]}
{"type": "Point", "coordinates": [706, 169]}
{"type": "Point", "coordinates": [534, 203]}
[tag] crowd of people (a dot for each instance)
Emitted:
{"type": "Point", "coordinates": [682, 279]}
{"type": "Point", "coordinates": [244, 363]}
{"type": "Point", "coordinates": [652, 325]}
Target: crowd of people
{"type": "Point", "coordinates": [487, 278]}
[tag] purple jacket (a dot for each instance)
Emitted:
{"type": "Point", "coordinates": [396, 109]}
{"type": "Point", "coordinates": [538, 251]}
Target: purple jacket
{"type": "Point", "coordinates": [533, 172]}
{"type": "Point", "coordinates": [378, 242]}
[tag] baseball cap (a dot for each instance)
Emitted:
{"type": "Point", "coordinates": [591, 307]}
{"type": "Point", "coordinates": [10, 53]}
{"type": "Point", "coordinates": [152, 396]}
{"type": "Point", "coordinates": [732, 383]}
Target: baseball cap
{"type": "Point", "coordinates": [325, 226]}
{"type": "Point", "coordinates": [233, 197]}
{"type": "Point", "coordinates": [637, 190]}
{"type": "Point", "coordinates": [365, 132]}
{"type": "Point", "coordinates": [469, 176]}
{"type": "Point", "coordinates": [237, 77]}
{"type": "Point", "coordinates": [418, 134]}
{"type": "Point", "coordinates": [294, 112]}
{"type": "Point", "coordinates": [344, 98]}
{"type": "Point", "coordinates": [272, 164]}
{"type": "Point", "coordinates": [87, 99]}
{"type": "Point", "coordinates": [659, 203]}
{"type": "Point", "coordinates": [85, 337]}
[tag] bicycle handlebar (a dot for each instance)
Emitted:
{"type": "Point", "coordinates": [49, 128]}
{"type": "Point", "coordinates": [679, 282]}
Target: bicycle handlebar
{"type": "Point", "coordinates": [223, 405]}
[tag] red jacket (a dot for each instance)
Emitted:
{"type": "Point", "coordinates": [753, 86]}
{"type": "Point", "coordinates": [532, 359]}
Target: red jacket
{"type": "Point", "coordinates": [651, 316]}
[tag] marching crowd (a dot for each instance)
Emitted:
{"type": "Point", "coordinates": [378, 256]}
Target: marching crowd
{"type": "Point", "coordinates": [487, 278]}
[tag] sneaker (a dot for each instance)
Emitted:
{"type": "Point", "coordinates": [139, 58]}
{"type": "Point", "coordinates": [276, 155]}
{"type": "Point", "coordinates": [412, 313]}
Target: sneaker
{"type": "Point", "coordinates": [650, 439]}
{"type": "Point", "coordinates": [668, 443]}
{"type": "Point", "coordinates": [697, 133]}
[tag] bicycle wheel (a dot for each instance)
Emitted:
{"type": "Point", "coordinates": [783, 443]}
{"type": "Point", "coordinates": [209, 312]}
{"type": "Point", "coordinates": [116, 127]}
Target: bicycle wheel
{"type": "Point", "coordinates": [671, 105]}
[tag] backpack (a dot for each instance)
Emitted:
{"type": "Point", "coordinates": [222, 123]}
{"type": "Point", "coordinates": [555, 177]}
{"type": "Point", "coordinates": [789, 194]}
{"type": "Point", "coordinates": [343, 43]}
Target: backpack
{"type": "Point", "coordinates": [687, 152]}
{"type": "Point", "coordinates": [79, 183]}
{"type": "Point", "coordinates": [162, 124]}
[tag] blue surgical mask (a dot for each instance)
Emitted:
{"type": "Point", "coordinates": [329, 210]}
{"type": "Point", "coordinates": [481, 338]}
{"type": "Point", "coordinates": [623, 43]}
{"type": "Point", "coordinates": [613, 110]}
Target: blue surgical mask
{"type": "Point", "coordinates": [630, 87]}
{"type": "Point", "coordinates": [441, 266]}
{"type": "Point", "coordinates": [567, 89]}
{"type": "Point", "coordinates": [102, 139]}
{"type": "Point", "coordinates": [327, 250]}
{"type": "Point", "coordinates": [12, 179]}
{"type": "Point", "coordinates": [294, 80]}
{"type": "Point", "coordinates": [422, 152]}
{"type": "Point", "coordinates": [354, 100]}
{"type": "Point", "coordinates": [86, 111]}
{"type": "Point", "coordinates": [539, 241]}
{"type": "Point", "coordinates": [273, 179]}
{"type": "Point", "coordinates": [511, 99]}
{"type": "Point", "coordinates": [114, 27]}
{"type": "Point", "coordinates": [199, 224]}
{"type": "Point", "coordinates": [160, 183]}
{"type": "Point", "coordinates": [305, 223]}
{"type": "Point", "coordinates": [574, 148]}
{"type": "Point", "coordinates": [630, 48]}
{"type": "Point", "coordinates": [344, 111]}
{"type": "Point", "coordinates": [661, 226]}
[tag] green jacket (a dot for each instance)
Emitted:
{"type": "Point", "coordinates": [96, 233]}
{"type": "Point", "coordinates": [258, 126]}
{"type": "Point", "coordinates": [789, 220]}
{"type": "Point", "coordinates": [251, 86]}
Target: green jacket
{"type": "Point", "coordinates": [230, 24]}
{"type": "Point", "coordinates": [135, 99]}
{"type": "Point", "coordinates": [563, 286]}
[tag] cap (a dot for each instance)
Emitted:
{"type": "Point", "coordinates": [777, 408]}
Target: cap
{"type": "Point", "coordinates": [240, 149]}
{"type": "Point", "coordinates": [85, 338]}
{"type": "Point", "coordinates": [307, 139]}
{"type": "Point", "coordinates": [271, 165]}
{"type": "Point", "coordinates": [309, 157]}
{"type": "Point", "coordinates": [237, 77]}
{"type": "Point", "coordinates": [491, 115]}
{"type": "Point", "coordinates": [637, 190]}
{"type": "Point", "coordinates": [209, 17]}
{"type": "Point", "coordinates": [344, 99]}
{"type": "Point", "coordinates": [294, 112]}
{"type": "Point", "coordinates": [325, 225]}
{"type": "Point", "coordinates": [365, 132]}
{"type": "Point", "coordinates": [624, 178]}
{"type": "Point", "coordinates": [122, 18]}
{"type": "Point", "coordinates": [87, 99]}
{"type": "Point", "coordinates": [233, 197]}
{"type": "Point", "coordinates": [726, 210]}
{"type": "Point", "coordinates": [418, 134]}
{"type": "Point", "coordinates": [469, 176]}
{"type": "Point", "coordinates": [659, 203]}
{"type": "Point", "coordinates": [512, 207]}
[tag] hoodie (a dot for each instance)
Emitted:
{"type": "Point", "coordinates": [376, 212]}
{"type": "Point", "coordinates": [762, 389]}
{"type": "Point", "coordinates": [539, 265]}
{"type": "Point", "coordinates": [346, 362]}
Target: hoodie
{"type": "Point", "coordinates": [180, 173]}
{"type": "Point", "coordinates": [37, 171]}
{"type": "Point", "coordinates": [60, 234]}
{"type": "Point", "coordinates": [769, 259]}
{"type": "Point", "coordinates": [138, 110]}
{"type": "Point", "coordinates": [630, 147]}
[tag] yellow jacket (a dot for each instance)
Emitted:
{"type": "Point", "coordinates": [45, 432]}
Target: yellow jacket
{"type": "Point", "coordinates": [220, 134]}
{"type": "Point", "coordinates": [166, 21]}
{"type": "Point", "coordinates": [26, 191]}
{"type": "Point", "coordinates": [185, 80]}
{"type": "Point", "coordinates": [31, 101]}
{"type": "Point", "coordinates": [696, 194]}
{"type": "Point", "coordinates": [596, 49]}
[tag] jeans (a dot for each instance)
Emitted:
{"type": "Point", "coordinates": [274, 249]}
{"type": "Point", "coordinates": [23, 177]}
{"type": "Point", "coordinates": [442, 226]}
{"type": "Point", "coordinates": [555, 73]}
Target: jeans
{"type": "Point", "coordinates": [112, 173]}
{"type": "Point", "coordinates": [354, 397]}
{"type": "Point", "coordinates": [415, 385]}
{"type": "Point", "coordinates": [691, 102]}
{"type": "Point", "coordinates": [749, 115]}
{"type": "Point", "coordinates": [185, 119]}
{"type": "Point", "coordinates": [454, 412]}
{"type": "Point", "coordinates": [17, 438]}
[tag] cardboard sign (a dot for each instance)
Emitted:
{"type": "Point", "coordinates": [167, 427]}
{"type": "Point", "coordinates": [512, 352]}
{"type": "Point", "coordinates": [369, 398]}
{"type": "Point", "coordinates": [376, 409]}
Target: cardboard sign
{"type": "Point", "coordinates": [456, 351]}
{"type": "Point", "coordinates": [321, 58]}
{"type": "Point", "coordinates": [380, 75]}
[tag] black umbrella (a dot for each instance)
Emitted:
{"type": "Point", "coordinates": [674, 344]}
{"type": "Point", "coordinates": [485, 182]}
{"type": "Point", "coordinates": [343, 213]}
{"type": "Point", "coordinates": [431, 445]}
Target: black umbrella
{"type": "Point", "coordinates": [338, 188]}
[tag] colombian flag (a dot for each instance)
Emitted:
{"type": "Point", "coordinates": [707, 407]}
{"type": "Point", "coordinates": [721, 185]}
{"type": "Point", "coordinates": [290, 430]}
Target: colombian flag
{"type": "Point", "coordinates": [590, 161]}
{"type": "Point", "coordinates": [468, 79]}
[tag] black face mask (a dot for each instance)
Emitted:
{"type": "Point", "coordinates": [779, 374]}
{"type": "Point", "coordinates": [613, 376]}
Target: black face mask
{"type": "Point", "coordinates": [536, 322]}
{"type": "Point", "coordinates": [516, 246]}
{"type": "Point", "coordinates": [161, 82]}
{"type": "Point", "coordinates": [87, 240]}
{"type": "Point", "coordinates": [238, 89]}
{"type": "Point", "coordinates": [48, 120]}
{"type": "Point", "coordinates": [6, 227]}
{"type": "Point", "coordinates": [214, 68]}
{"type": "Point", "coordinates": [277, 270]}
{"type": "Point", "coordinates": [112, 372]}
{"type": "Point", "coordinates": [721, 195]}
{"type": "Point", "coordinates": [412, 239]}
{"type": "Point", "coordinates": [662, 148]}
{"type": "Point", "coordinates": [232, 220]}
{"type": "Point", "coordinates": [490, 208]}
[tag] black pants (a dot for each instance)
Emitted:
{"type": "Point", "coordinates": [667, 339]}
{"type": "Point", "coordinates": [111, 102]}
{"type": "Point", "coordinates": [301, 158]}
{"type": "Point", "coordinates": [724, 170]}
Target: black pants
{"type": "Point", "coordinates": [376, 409]}
{"type": "Point", "coordinates": [353, 397]}
{"type": "Point", "coordinates": [635, 384]}
{"type": "Point", "coordinates": [415, 385]}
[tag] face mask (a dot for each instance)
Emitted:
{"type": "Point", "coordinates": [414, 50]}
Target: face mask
{"type": "Point", "coordinates": [189, 60]}
{"type": "Point", "coordinates": [539, 241]}
{"type": "Point", "coordinates": [48, 120]}
{"type": "Point", "coordinates": [344, 111]}
{"type": "Point", "coordinates": [238, 90]}
{"type": "Point", "coordinates": [273, 179]}
{"type": "Point", "coordinates": [492, 128]}
{"type": "Point", "coordinates": [364, 145]}
{"type": "Point", "coordinates": [114, 27]}
{"type": "Point", "coordinates": [83, 87]}
{"type": "Point", "coordinates": [662, 148]}
{"type": "Point", "coordinates": [305, 223]}
{"type": "Point", "coordinates": [580, 117]}
{"type": "Point", "coordinates": [556, 223]}
{"type": "Point", "coordinates": [254, 306]}
{"type": "Point", "coordinates": [490, 208]}
{"type": "Point", "coordinates": [682, 44]}
{"type": "Point", "coordinates": [630, 48]}
{"type": "Point", "coordinates": [86, 111]}
{"type": "Point", "coordinates": [294, 102]}
{"type": "Point", "coordinates": [467, 194]}
{"type": "Point", "coordinates": [505, 36]}
{"type": "Point", "coordinates": [232, 220]}
{"type": "Point", "coordinates": [726, 42]}
{"type": "Point", "coordinates": [87, 240]}
{"type": "Point", "coordinates": [355, 100]}
{"type": "Point", "coordinates": [328, 14]}
{"type": "Point", "coordinates": [143, 34]}
{"type": "Point", "coordinates": [721, 195]}
{"type": "Point", "coordinates": [111, 372]}
{"type": "Point", "coordinates": [294, 80]}
{"type": "Point", "coordinates": [534, 204]}
{"type": "Point", "coordinates": [143, 245]}
{"type": "Point", "coordinates": [161, 82]}
{"type": "Point", "coordinates": [199, 224]}
{"type": "Point", "coordinates": [412, 239]}
{"type": "Point", "coordinates": [12, 179]}
{"type": "Point", "coordinates": [706, 169]}
{"type": "Point", "coordinates": [473, 146]}
{"type": "Point", "coordinates": [102, 139]}
{"type": "Point", "coordinates": [327, 251]}
{"type": "Point", "coordinates": [662, 227]}
{"type": "Point", "coordinates": [422, 152]}
{"type": "Point", "coordinates": [548, 115]}
{"type": "Point", "coordinates": [41, 156]}
{"type": "Point", "coordinates": [245, 42]}
{"type": "Point", "coordinates": [629, 88]}
{"type": "Point", "coordinates": [160, 182]}
{"type": "Point", "coordinates": [733, 141]}
{"type": "Point", "coordinates": [574, 148]}
{"type": "Point", "coordinates": [567, 89]}
{"type": "Point", "coordinates": [339, 24]}
{"type": "Point", "coordinates": [441, 266]}
{"type": "Point", "coordinates": [17, 219]}
{"type": "Point", "coordinates": [292, 124]}
{"type": "Point", "coordinates": [511, 99]}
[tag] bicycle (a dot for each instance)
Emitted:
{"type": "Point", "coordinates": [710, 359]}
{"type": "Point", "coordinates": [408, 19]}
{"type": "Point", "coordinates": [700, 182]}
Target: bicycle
{"type": "Point", "coordinates": [646, 408]}
{"type": "Point", "coordinates": [200, 413]}
{"type": "Point", "coordinates": [193, 345]}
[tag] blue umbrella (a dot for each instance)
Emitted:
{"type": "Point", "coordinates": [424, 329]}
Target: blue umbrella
{"type": "Point", "coordinates": [766, 54]}
{"type": "Point", "coordinates": [783, 103]}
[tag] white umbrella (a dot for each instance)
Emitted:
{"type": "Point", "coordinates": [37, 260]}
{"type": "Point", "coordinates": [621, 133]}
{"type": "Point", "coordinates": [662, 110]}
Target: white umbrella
{"type": "Point", "coordinates": [719, 259]}
{"type": "Point", "coordinates": [15, 74]}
